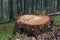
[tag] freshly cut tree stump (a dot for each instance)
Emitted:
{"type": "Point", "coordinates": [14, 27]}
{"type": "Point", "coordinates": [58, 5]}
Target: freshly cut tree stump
{"type": "Point", "coordinates": [32, 25]}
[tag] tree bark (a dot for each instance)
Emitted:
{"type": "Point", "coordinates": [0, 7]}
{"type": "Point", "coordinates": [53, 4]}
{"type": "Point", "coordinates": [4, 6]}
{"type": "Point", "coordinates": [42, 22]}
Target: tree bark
{"type": "Point", "coordinates": [18, 8]}
{"type": "Point", "coordinates": [26, 6]}
{"type": "Point", "coordinates": [1, 8]}
{"type": "Point", "coordinates": [36, 4]}
{"type": "Point", "coordinates": [11, 10]}
{"type": "Point", "coordinates": [21, 11]}
{"type": "Point", "coordinates": [32, 6]}
{"type": "Point", "coordinates": [58, 5]}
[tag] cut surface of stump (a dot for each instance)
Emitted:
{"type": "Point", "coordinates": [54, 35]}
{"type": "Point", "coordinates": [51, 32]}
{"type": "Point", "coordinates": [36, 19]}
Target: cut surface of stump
{"type": "Point", "coordinates": [33, 20]}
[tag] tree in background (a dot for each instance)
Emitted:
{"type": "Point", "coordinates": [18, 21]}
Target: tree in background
{"type": "Point", "coordinates": [11, 10]}
{"type": "Point", "coordinates": [18, 8]}
{"type": "Point", "coordinates": [32, 11]}
{"type": "Point", "coordinates": [1, 9]}
{"type": "Point", "coordinates": [26, 6]}
{"type": "Point", "coordinates": [58, 5]}
{"type": "Point", "coordinates": [21, 11]}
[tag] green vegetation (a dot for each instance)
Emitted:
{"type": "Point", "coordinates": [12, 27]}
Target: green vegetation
{"type": "Point", "coordinates": [6, 30]}
{"type": "Point", "coordinates": [56, 19]}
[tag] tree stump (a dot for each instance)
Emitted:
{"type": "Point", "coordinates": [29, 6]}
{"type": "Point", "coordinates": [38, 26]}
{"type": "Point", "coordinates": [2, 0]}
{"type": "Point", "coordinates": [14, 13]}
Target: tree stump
{"type": "Point", "coordinates": [32, 25]}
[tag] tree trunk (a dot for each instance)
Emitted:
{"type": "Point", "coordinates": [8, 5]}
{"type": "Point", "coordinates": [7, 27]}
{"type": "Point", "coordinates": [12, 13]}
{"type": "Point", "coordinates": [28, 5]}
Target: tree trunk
{"type": "Point", "coordinates": [58, 5]}
{"type": "Point", "coordinates": [45, 3]}
{"type": "Point", "coordinates": [36, 4]}
{"type": "Point", "coordinates": [1, 8]}
{"type": "Point", "coordinates": [21, 11]}
{"type": "Point", "coordinates": [11, 10]}
{"type": "Point", "coordinates": [41, 5]}
{"type": "Point", "coordinates": [18, 8]}
{"type": "Point", "coordinates": [26, 6]}
{"type": "Point", "coordinates": [32, 6]}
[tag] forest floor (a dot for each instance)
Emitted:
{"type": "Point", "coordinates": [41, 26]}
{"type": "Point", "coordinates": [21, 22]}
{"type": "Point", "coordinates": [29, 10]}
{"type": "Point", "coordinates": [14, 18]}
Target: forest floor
{"type": "Point", "coordinates": [6, 29]}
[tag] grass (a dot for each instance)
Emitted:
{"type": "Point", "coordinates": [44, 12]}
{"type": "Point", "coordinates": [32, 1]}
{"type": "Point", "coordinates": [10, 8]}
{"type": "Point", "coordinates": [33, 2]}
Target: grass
{"type": "Point", "coordinates": [56, 19]}
{"type": "Point", "coordinates": [6, 29]}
